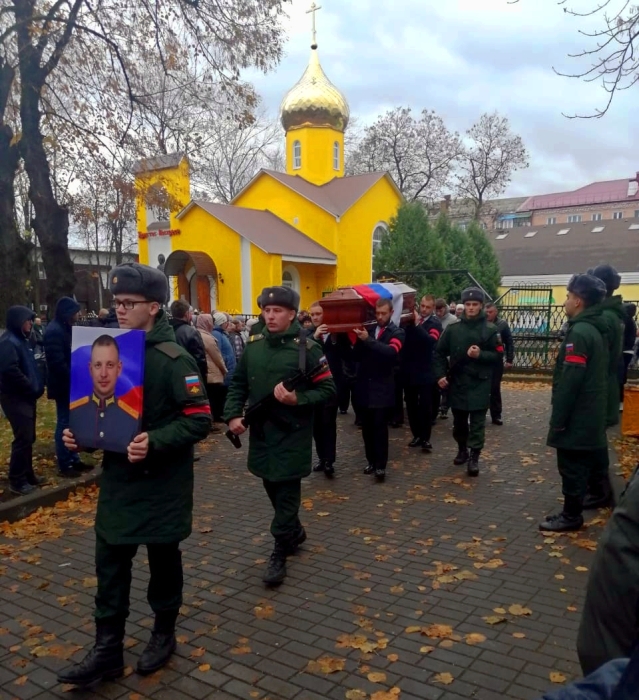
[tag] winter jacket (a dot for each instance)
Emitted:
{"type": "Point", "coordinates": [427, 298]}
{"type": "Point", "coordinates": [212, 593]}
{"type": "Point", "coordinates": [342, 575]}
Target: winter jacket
{"type": "Point", "coordinates": [111, 321]}
{"type": "Point", "coordinates": [19, 376]}
{"type": "Point", "coordinates": [614, 316]}
{"type": "Point", "coordinates": [416, 362]}
{"type": "Point", "coordinates": [237, 342]}
{"type": "Point", "coordinates": [580, 385]}
{"type": "Point", "coordinates": [228, 354]}
{"type": "Point", "coordinates": [448, 320]}
{"type": "Point", "coordinates": [603, 684]}
{"type": "Point", "coordinates": [216, 369]}
{"type": "Point", "coordinates": [507, 339]}
{"type": "Point", "coordinates": [191, 341]}
{"type": "Point", "coordinates": [57, 347]}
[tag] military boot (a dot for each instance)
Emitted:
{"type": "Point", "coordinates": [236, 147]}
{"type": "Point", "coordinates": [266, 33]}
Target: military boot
{"type": "Point", "coordinates": [161, 645]}
{"type": "Point", "coordinates": [105, 661]}
{"type": "Point", "coordinates": [329, 469]}
{"type": "Point", "coordinates": [562, 522]}
{"type": "Point", "coordinates": [276, 570]}
{"type": "Point", "coordinates": [462, 455]}
{"type": "Point", "coordinates": [296, 540]}
{"type": "Point", "coordinates": [598, 496]}
{"type": "Point", "coordinates": [319, 467]}
{"type": "Point", "coordinates": [473, 463]}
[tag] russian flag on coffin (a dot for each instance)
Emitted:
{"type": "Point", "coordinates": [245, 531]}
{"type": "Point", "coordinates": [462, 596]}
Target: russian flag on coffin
{"type": "Point", "coordinates": [384, 290]}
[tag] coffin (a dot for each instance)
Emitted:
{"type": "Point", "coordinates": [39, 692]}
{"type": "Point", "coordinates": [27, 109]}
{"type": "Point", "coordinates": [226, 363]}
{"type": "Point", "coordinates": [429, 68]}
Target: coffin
{"type": "Point", "coordinates": [346, 308]}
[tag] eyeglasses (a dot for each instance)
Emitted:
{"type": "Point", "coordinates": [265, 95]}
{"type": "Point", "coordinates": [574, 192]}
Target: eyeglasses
{"type": "Point", "coordinates": [127, 304]}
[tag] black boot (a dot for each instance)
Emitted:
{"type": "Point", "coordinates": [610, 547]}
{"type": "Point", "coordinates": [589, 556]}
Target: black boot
{"type": "Point", "coordinates": [426, 446]}
{"type": "Point", "coordinates": [380, 473]}
{"type": "Point", "coordinates": [415, 442]}
{"type": "Point", "coordinates": [319, 467]}
{"type": "Point", "coordinates": [473, 463]}
{"type": "Point", "coordinates": [568, 520]}
{"type": "Point", "coordinates": [276, 570]}
{"type": "Point", "coordinates": [105, 661]}
{"type": "Point", "coordinates": [369, 469]}
{"type": "Point", "coordinates": [598, 496]}
{"type": "Point", "coordinates": [296, 540]}
{"type": "Point", "coordinates": [329, 469]}
{"type": "Point", "coordinates": [161, 645]}
{"type": "Point", "coordinates": [462, 455]}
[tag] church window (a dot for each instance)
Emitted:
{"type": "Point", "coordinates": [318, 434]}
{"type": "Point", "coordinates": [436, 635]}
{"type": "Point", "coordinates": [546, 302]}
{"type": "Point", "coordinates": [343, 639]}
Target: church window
{"type": "Point", "coordinates": [336, 156]}
{"type": "Point", "coordinates": [291, 278]}
{"type": "Point", "coordinates": [287, 279]}
{"type": "Point", "coordinates": [297, 155]}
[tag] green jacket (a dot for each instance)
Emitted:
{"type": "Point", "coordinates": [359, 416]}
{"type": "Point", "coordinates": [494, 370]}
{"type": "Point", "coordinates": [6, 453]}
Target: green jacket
{"type": "Point", "coordinates": [614, 316]}
{"type": "Point", "coordinates": [282, 451]}
{"type": "Point", "coordinates": [152, 501]}
{"type": "Point", "coordinates": [469, 378]}
{"type": "Point", "coordinates": [579, 385]}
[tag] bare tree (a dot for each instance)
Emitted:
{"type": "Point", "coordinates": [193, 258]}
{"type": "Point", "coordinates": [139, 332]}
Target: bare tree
{"type": "Point", "coordinates": [420, 154]}
{"type": "Point", "coordinates": [491, 155]}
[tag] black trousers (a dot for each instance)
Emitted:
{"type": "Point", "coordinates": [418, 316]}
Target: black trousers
{"type": "Point", "coordinates": [495, 390]}
{"type": "Point", "coordinates": [419, 406]}
{"type": "Point", "coordinates": [217, 396]}
{"type": "Point", "coordinates": [21, 414]}
{"type": "Point", "coordinates": [375, 434]}
{"type": "Point", "coordinates": [113, 563]}
{"type": "Point", "coordinates": [286, 498]}
{"type": "Point", "coordinates": [580, 469]}
{"type": "Point", "coordinates": [344, 387]}
{"type": "Point", "coordinates": [469, 428]}
{"type": "Point", "coordinates": [325, 431]}
{"type": "Point", "coordinates": [398, 412]}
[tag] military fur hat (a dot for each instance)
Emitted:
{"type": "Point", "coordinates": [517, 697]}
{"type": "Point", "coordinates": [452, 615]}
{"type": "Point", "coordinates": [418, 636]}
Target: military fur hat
{"type": "Point", "coordinates": [133, 278]}
{"type": "Point", "coordinates": [587, 287]}
{"type": "Point", "coordinates": [280, 296]}
{"type": "Point", "coordinates": [608, 275]}
{"type": "Point", "coordinates": [472, 294]}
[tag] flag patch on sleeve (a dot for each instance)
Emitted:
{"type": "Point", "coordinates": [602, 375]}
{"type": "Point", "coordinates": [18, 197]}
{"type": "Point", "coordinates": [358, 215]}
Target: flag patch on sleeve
{"type": "Point", "coordinates": [570, 347]}
{"type": "Point", "coordinates": [192, 383]}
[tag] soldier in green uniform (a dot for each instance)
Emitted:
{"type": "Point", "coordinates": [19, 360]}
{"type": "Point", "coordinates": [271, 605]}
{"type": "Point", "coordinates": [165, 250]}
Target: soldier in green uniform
{"type": "Point", "coordinates": [599, 491]}
{"type": "Point", "coordinates": [280, 450]}
{"type": "Point", "coordinates": [101, 420]}
{"type": "Point", "coordinates": [473, 347]}
{"type": "Point", "coordinates": [579, 392]}
{"type": "Point", "coordinates": [146, 495]}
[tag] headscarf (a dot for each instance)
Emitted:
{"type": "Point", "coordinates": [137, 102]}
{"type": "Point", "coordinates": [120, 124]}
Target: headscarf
{"type": "Point", "coordinates": [204, 322]}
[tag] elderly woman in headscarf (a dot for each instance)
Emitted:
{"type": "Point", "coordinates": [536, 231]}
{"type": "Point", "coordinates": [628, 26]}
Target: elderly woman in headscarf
{"type": "Point", "coordinates": [216, 369]}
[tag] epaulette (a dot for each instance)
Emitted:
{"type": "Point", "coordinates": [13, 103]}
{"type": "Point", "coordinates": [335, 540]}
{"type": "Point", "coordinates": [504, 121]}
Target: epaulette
{"type": "Point", "coordinates": [173, 350]}
{"type": "Point", "coordinates": [128, 409]}
{"type": "Point", "coordinates": [80, 402]}
{"type": "Point", "coordinates": [257, 336]}
{"type": "Point", "coordinates": [309, 342]}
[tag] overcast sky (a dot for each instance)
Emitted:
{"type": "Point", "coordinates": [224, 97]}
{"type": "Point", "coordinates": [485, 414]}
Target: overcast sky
{"type": "Point", "coordinates": [465, 57]}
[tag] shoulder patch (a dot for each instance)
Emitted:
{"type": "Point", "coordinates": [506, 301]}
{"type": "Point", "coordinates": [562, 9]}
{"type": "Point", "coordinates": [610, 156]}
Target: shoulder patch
{"type": "Point", "coordinates": [257, 336]}
{"type": "Point", "coordinates": [80, 402]}
{"type": "Point", "coordinates": [193, 384]}
{"type": "Point", "coordinates": [170, 349]}
{"type": "Point", "coordinates": [127, 409]}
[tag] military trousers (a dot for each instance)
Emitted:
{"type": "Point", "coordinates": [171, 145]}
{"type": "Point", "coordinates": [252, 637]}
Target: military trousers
{"type": "Point", "coordinates": [113, 563]}
{"type": "Point", "coordinates": [495, 390]}
{"type": "Point", "coordinates": [419, 406]}
{"type": "Point", "coordinates": [21, 414]}
{"type": "Point", "coordinates": [469, 428]}
{"type": "Point", "coordinates": [286, 498]}
{"type": "Point", "coordinates": [325, 431]}
{"type": "Point", "coordinates": [579, 468]}
{"type": "Point", "coordinates": [375, 434]}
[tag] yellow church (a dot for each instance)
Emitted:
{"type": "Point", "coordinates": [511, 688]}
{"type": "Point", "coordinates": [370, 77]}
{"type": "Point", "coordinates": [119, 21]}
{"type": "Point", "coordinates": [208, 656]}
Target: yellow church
{"type": "Point", "coordinates": [310, 228]}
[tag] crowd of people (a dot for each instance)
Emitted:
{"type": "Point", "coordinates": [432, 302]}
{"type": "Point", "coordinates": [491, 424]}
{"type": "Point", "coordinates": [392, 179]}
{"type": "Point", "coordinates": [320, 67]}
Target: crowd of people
{"type": "Point", "coordinates": [285, 379]}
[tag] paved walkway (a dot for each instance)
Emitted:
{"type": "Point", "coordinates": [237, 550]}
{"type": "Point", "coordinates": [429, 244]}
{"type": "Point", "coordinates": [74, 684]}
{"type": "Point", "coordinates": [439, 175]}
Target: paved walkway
{"type": "Point", "coordinates": [430, 585]}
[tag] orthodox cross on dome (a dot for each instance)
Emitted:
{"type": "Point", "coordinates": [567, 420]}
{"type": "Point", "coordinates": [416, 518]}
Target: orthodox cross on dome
{"type": "Point", "coordinates": [314, 8]}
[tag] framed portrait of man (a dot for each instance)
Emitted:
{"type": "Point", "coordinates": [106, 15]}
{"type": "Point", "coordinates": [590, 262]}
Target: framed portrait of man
{"type": "Point", "coordinates": [107, 375]}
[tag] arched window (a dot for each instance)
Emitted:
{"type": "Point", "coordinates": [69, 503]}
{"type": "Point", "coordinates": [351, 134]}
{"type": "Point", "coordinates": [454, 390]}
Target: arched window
{"type": "Point", "coordinates": [287, 279]}
{"type": "Point", "coordinates": [291, 278]}
{"type": "Point", "coordinates": [297, 155]}
{"type": "Point", "coordinates": [336, 158]}
{"type": "Point", "coordinates": [378, 236]}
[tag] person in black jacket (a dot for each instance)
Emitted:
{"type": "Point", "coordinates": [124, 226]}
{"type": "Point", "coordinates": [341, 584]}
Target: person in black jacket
{"type": "Point", "coordinates": [187, 336]}
{"type": "Point", "coordinates": [416, 371]}
{"type": "Point", "coordinates": [629, 338]}
{"type": "Point", "coordinates": [498, 369]}
{"type": "Point", "coordinates": [20, 389]}
{"type": "Point", "coordinates": [378, 357]}
{"type": "Point", "coordinates": [57, 348]}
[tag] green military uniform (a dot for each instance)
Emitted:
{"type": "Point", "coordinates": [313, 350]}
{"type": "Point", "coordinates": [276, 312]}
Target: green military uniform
{"type": "Point", "coordinates": [104, 424]}
{"type": "Point", "coordinates": [613, 314]}
{"type": "Point", "coordinates": [469, 378]}
{"type": "Point", "coordinates": [577, 422]}
{"type": "Point", "coordinates": [280, 451]}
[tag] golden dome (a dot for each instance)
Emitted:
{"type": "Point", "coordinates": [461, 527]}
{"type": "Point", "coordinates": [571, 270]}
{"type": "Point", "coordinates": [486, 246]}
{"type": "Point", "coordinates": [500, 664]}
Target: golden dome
{"type": "Point", "coordinates": [314, 101]}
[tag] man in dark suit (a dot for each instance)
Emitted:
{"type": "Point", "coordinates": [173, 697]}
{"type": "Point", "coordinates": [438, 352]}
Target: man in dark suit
{"type": "Point", "coordinates": [378, 357]}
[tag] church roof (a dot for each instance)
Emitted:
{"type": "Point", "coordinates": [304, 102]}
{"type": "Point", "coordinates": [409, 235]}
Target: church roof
{"type": "Point", "coordinates": [265, 230]}
{"type": "Point", "coordinates": [336, 197]}
{"type": "Point", "coordinates": [567, 248]}
{"type": "Point", "coordinates": [145, 165]}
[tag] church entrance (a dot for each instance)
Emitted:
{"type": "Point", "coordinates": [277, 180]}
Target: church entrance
{"type": "Point", "coordinates": [195, 276]}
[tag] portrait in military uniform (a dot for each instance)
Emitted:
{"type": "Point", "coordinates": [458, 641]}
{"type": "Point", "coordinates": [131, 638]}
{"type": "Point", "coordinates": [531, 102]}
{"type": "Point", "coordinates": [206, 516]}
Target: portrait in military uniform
{"type": "Point", "coordinates": [106, 378]}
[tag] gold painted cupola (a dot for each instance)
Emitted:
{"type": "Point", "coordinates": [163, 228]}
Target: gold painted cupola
{"type": "Point", "coordinates": [314, 114]}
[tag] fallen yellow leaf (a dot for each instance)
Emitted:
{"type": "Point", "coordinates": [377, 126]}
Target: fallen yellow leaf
{"type": "Point", "coordinates": [494, 619]}
{"type": "Point", "coordinates": [204, 667]}
{"type": "Point", "coordinates": [519, 610]}
{"type": "Point", "coordinates": [444, 678]}
{"type": "Point", "coordinates": [326, 665]}
{"type": "Point", "coordinates": [557, 677]}
{"type": "Point", "coordinates": [355, 694]}
{"type": "Point", "coordinates": [376, 677]}
{"type": "Point", "coordinates": [474, 638]}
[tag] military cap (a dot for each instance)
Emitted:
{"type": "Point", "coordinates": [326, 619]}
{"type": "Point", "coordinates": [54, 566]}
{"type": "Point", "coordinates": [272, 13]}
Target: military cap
{"type": "Point", "coordinates": [587, 287]}
{"type": "Point", "coordinates": [608, 275]}
{"type": "Point", "coordinates": [133, 278]}
{"type": "Point", "coordinates": [472, 294]}
{"type": "Point", "coordinates": [280, 296]}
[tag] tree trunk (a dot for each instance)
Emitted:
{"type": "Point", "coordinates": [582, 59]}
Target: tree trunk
{"type": "Point", "coordinates": [51, 222]}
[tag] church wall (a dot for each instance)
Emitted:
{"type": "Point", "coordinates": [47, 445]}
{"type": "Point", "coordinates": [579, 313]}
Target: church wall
{"type": "Point", "coordinates": [316, 143]}
{"type": "Point", "coordinates": [201, 232]}
{"type": "Point", "coordinates": [314, 279]}
{"type": "Point", "coordinates": [268, 193]}
{"type": "Point", "coordinates": [355, 239]}
{"type": "Point", "coordinates": [266, 271]}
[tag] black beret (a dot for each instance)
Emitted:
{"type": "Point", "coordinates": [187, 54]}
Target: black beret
{"type": "Point", "coordinates": [133, 278]}
{"type": "Point", "coordinates": [608, 275]}
{"type": "Point", "coordinates": [280, 296]}
{"type": "Point", "coordinates": [472, 294]}
{"type": "Point", "coordinates": [587, 287]}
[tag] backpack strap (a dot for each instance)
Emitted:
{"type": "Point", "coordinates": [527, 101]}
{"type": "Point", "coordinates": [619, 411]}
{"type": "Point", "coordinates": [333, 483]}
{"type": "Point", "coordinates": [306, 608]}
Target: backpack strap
{"type": "Point", "coordinates": [302, 345]}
